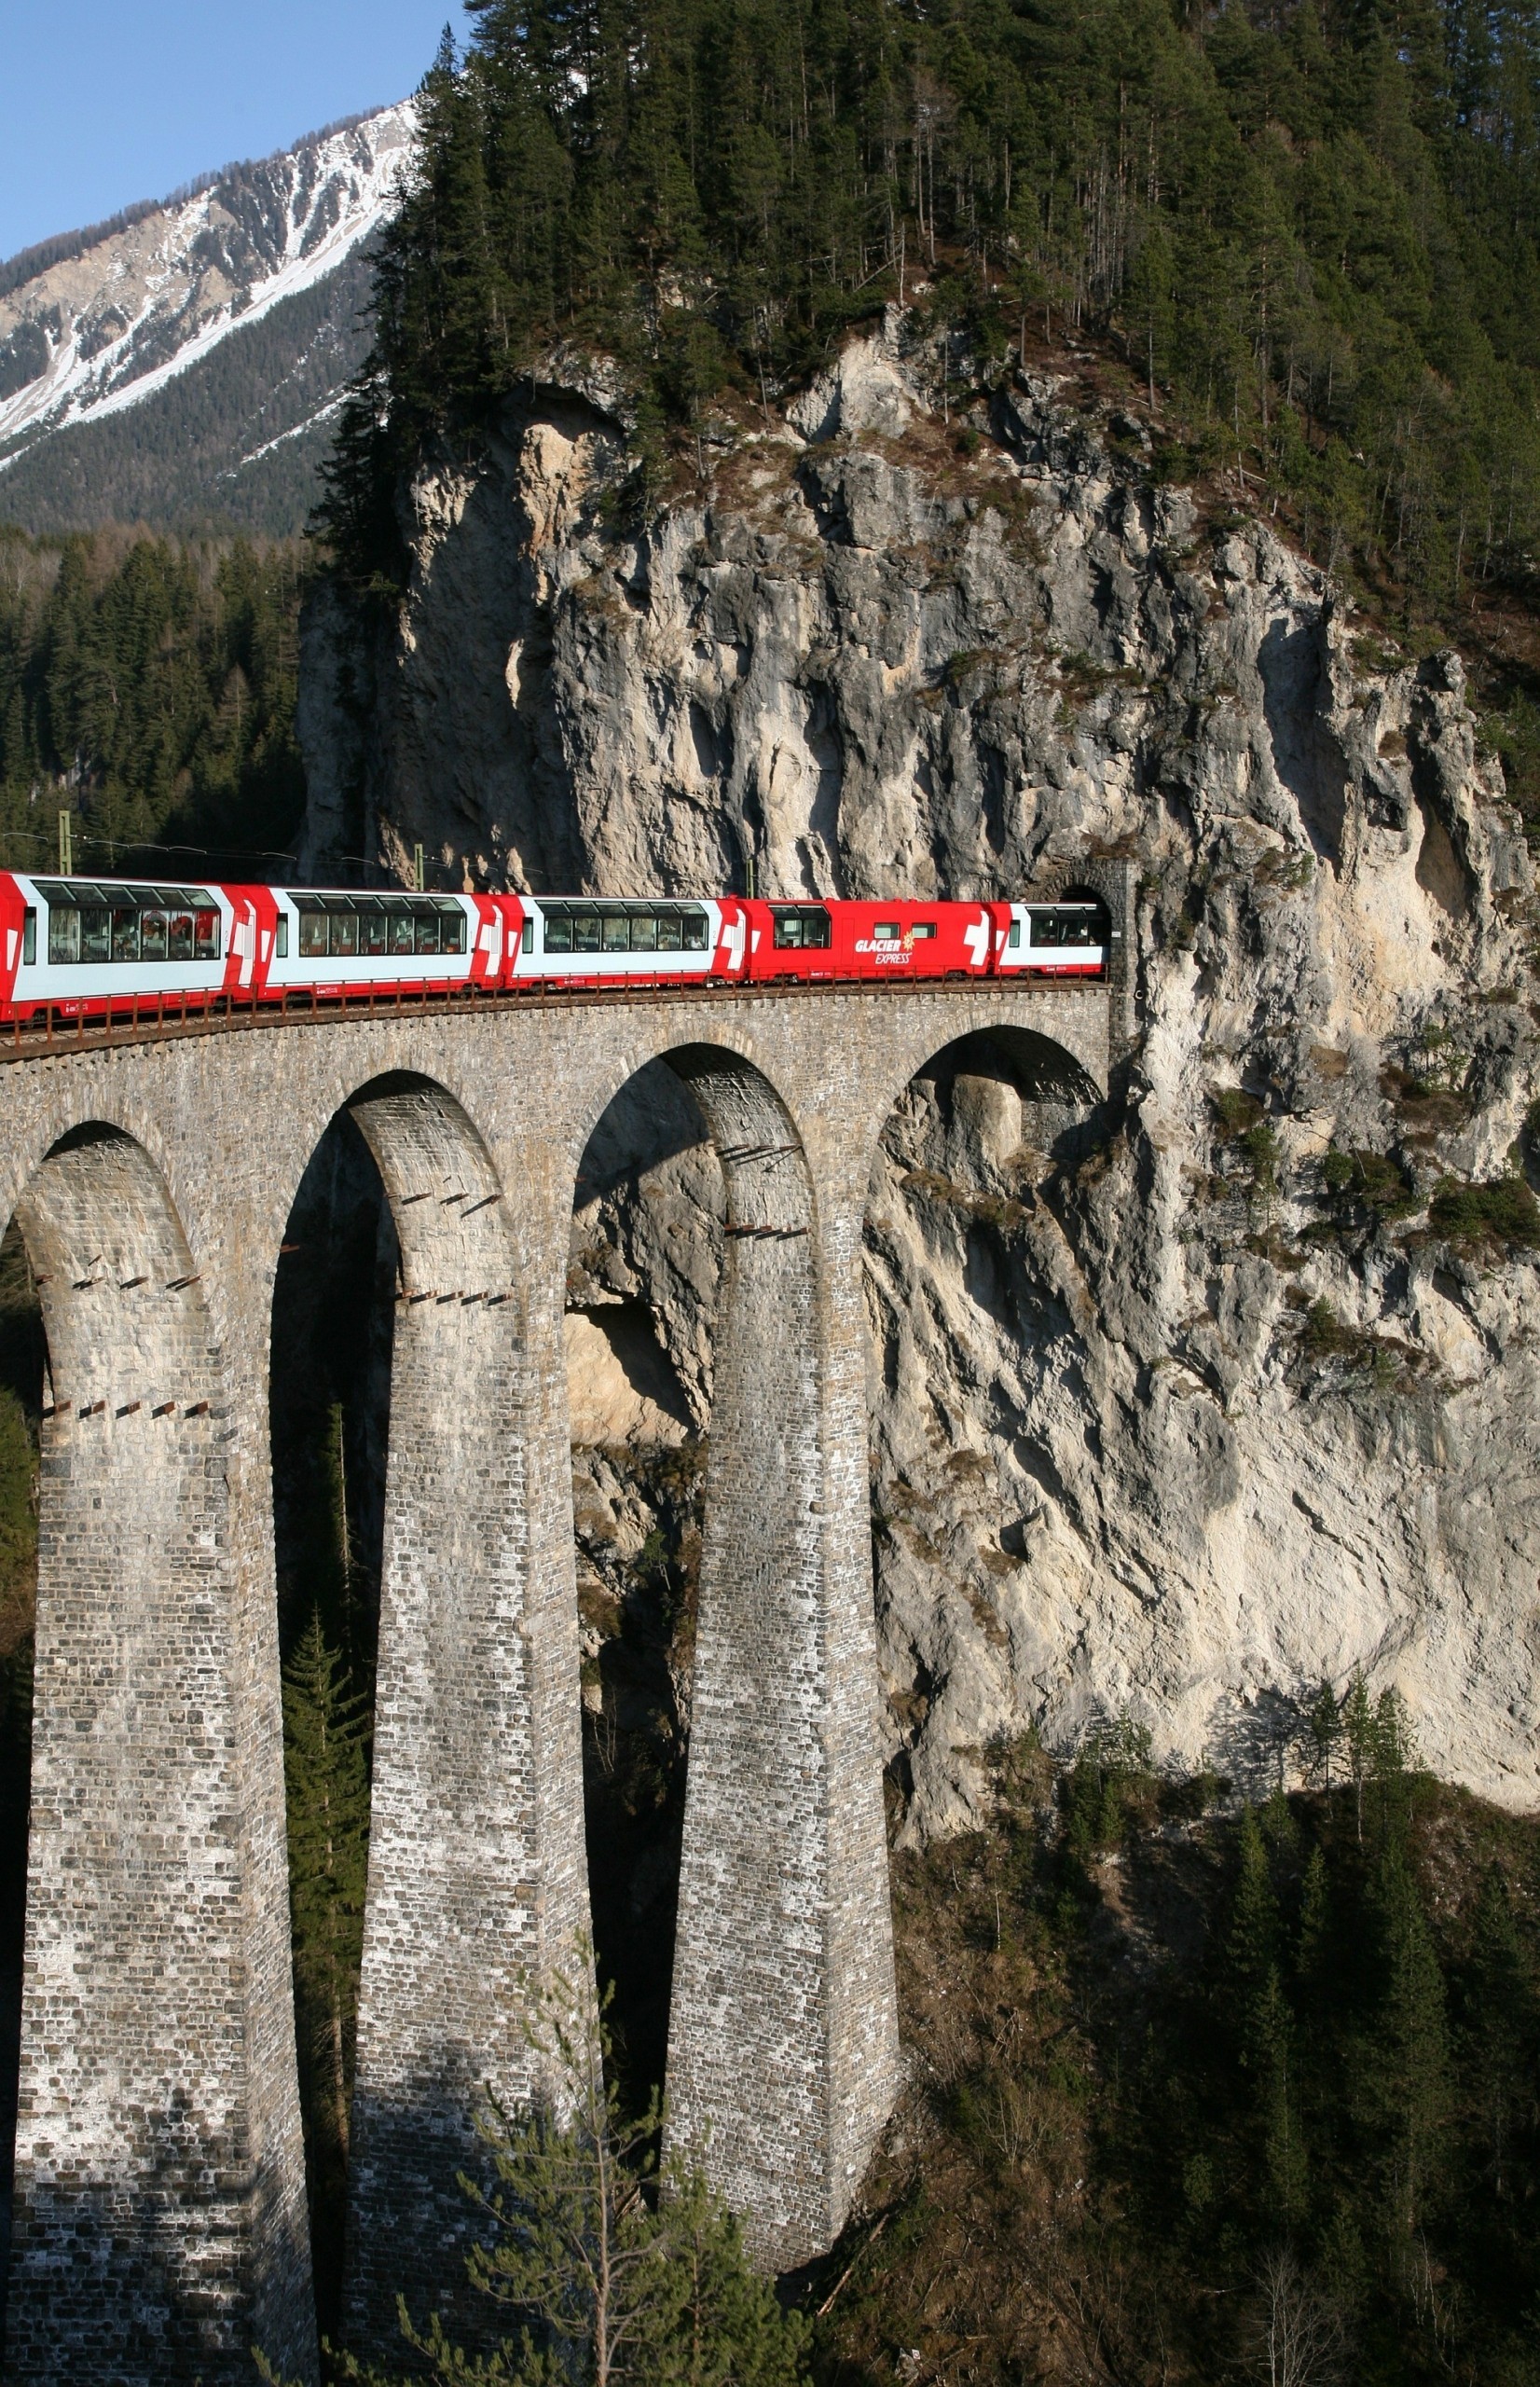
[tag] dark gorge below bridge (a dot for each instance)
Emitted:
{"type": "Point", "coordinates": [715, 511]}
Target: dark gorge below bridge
{"type": "Point", "coordinates": [160, 2212]}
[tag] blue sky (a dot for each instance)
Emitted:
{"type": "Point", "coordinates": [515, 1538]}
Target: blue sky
{"type": "Point", "coordinates": [105, 102]}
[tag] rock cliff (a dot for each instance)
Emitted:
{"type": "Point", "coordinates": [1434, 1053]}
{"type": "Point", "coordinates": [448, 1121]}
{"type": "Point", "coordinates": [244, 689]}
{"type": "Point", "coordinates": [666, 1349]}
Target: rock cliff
{"type": "Point", "coordinates": [1177, 1408]}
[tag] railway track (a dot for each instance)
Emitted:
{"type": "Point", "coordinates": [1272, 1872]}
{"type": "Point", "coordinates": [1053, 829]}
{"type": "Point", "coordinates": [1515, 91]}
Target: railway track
{"type": "Point", "coordinates": [170, 1018]}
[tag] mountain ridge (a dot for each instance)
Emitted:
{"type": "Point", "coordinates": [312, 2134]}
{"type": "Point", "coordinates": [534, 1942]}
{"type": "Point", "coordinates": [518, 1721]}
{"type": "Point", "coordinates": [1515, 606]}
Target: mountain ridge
{"type": "Point", "coordinates": [35, 257]}
{"type": "Point", "coordinates": [178, 292]}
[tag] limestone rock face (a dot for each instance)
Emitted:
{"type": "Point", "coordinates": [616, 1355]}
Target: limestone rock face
{"type": "Point", "coordinates": [1177, 1406]}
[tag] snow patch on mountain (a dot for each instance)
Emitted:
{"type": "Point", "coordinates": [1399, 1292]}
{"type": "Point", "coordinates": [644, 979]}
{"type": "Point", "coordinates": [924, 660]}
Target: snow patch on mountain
{"type": "Point", "coordinates": [102, 332]}
{"type": "Point", "coordinates": [295, 431]}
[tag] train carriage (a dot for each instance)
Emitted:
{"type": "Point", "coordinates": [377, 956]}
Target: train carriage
{"type": "Point", "coordinates": [594, 941]}
{"type": "Point", "coordinates": [83, 946]}
{"type": "Point", "coordinates": [805, 941]}
{"type": "Point", "coordinates": [75, 948]}
{"type": "Point", "coordinates": [1069, 938]}
{"type": "Point", "coordinates": [333, 943]}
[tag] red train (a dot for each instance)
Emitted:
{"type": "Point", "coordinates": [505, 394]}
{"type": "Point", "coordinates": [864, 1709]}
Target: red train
{"type": "Point", "coordinates": [76, 945]}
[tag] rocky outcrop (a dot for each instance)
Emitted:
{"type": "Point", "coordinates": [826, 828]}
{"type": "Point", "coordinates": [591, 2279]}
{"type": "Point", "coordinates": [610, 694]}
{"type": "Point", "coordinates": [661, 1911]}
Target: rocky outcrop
{"type": "Point", "coordinates": [1176, 1407]}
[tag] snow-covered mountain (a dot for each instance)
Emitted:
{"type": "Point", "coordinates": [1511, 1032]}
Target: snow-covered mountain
{"type": "Point", "coordinates": [245, 294]}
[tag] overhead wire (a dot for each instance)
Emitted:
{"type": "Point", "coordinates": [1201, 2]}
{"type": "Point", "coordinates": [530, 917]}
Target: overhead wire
{"type": "Point", "coordinates": [156, 846]}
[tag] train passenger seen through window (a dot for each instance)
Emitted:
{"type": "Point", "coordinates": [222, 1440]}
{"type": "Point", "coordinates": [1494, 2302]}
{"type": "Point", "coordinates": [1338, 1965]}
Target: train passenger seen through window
{"type": "Point", "coordinates": [97, 925]}
{"type": "Point", "coordinates": [1078, 924]}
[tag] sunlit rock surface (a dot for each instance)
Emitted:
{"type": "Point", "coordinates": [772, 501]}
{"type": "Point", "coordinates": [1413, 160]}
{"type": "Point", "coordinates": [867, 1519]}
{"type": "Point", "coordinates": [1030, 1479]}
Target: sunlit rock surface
{"type": "Point", "coordinates": [1177, 1407]}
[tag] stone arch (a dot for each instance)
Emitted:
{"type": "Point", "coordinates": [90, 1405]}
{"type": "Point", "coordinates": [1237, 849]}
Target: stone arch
{"type": "Point", "coordinates": [731, 1043]}
{"type": "Point", "coordinates": [1015, 1081]}
{"type": "Point", "coordinates": [477, 1884]}
{"type": "Point", "coordinates": [781, 2041]}
{"type": "Point", "coordinates": [640, 1302]}
{"type": "Point", "coordinates": [1041, 1067]}
{"type": "Point", "coordinates": [330, 1317]}
{"type": "Point", "coordinates": [157, 2144]}
{"type": "Point", "coordinates": [748, 2034]}
{"type": "Point", "coordinates": [968, 1272]}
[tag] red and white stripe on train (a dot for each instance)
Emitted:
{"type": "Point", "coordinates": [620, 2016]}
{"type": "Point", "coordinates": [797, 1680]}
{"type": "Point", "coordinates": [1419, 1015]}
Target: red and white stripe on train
{"type": "Point", "coordinates": [74, 945]}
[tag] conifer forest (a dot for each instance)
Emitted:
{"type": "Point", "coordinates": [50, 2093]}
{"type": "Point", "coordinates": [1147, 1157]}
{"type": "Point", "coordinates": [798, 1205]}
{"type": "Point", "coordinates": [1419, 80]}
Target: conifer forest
{"type": "Point", "coordinates": [1312, 227]}
{"type": "Point", "coordinates": [147, 686]}
{"type": "Point", "coordinates": [1204, 2087]}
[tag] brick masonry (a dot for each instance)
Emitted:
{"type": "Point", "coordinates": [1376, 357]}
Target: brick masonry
{"type": "Point", "coordinates": [160, 2221]}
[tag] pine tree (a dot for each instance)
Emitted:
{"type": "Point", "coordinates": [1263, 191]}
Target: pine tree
{"type": "Point", "coordinates": [1312, 1953]}
{"type": "Point", "coordinates": [720, 2325]}
{"type": "Point", "coordinates": [1251, 1945]}
{"type": "Point", "coordinates": [326, 1771]}
{"type": "Point", "coordinates": [1502, 2032]}
{"type": "Point", "coordinates": [1269, 2057]}
{"type": "Point", "coordinates": [606, 2270]}
{"type": "Point", "coordinates": [1262, 2025]}
{"type": "Point", "coordinates": [1391, 1752]}
{"type": "Point", "coordinates": [1358, 1733]}
{"type": "Point", "coordinates": [1406, 2082]}
{"type": "Point", "coordinates": [1323, 1725]}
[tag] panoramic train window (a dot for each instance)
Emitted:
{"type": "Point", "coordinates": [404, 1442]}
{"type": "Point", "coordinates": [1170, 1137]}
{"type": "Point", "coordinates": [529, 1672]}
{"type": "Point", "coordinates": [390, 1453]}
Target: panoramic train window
{"type": "Point", "coordinates": [343, 927]}
{"type": "Point", "coordinates": [1068, 924]}
{"type": "Point", "coordinates": [805, 928]}
{"type": "Point", "coordinates": [623, 927]}
{"type": "Point", "coordinates": [95, 924]}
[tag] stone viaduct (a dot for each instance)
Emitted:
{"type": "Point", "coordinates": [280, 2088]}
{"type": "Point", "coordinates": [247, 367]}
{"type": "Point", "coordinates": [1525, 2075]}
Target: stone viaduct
{"type": "Point", "coordinates": [160, 2213]}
